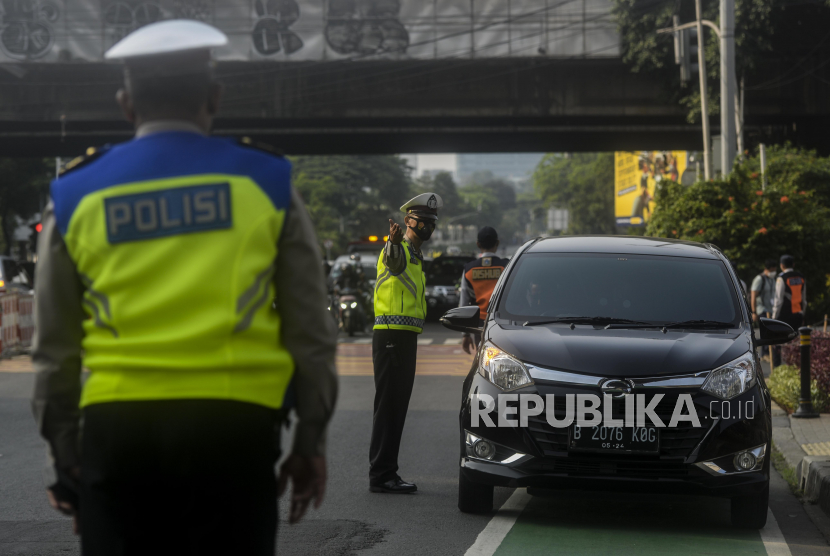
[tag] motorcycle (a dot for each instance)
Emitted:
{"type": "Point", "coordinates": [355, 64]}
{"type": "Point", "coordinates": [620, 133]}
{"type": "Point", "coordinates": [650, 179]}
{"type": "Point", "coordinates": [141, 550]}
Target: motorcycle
{"type": "Point", "coordinates": [352, 313]}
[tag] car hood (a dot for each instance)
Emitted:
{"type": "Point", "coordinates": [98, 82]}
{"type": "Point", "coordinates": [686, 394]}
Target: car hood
{"type": "Point", "coordinates": [620, 352]}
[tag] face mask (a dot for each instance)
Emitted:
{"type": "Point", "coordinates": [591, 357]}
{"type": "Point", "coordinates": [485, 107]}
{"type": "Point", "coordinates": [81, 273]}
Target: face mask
{"type": "Point", "coordinates": [423, 229]}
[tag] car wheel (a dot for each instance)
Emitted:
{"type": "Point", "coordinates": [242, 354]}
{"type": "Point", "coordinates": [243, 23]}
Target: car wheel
{"type": "Point", "coordinates": [750, 512]}
{"type": "Point", "coordinates": [474, 498]}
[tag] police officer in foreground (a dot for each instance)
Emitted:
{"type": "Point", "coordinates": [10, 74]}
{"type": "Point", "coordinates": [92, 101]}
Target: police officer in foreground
{"type": "Point", "coordinates": [182, 270]}
{"type": "Point", "coordinates": [479, 278]}
{"type": "Point", "coordinates": [400, 310]}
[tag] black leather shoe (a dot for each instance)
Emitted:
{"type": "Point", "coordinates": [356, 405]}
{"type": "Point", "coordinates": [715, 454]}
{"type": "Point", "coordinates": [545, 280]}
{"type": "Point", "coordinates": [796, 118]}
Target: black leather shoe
{"type": "Point", "coordinates": [394, 486]}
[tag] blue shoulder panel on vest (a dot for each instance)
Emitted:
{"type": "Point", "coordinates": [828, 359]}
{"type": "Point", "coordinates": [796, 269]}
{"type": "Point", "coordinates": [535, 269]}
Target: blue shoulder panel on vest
{"type": "Point", "coordinates": [169, 155]}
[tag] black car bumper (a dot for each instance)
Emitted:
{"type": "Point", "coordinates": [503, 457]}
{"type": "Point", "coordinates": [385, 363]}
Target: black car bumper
{"type": "Point", "coordinates": [549, 464]}
{"type": "Point", "coordinates": [696, 482]}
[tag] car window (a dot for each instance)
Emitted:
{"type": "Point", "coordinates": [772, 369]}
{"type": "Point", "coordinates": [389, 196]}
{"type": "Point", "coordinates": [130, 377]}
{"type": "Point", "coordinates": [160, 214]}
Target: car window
{"type": "Point", "coordinates": [636, 287]}
{"type": "Point", "coordinates": [445, 272]}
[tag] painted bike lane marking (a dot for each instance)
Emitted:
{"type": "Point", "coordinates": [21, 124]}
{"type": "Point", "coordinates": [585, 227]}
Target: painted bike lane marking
{"type": "Point", "coordinates": [493, 534]}
{"type": "Point", "coordinates": [568, 524]}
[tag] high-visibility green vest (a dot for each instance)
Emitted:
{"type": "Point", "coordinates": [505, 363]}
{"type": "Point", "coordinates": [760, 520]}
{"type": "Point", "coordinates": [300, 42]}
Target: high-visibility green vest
{"type": "Point", "coordinates": [175, 238]}
{"type": "Point", "coordinates": [400, 303]}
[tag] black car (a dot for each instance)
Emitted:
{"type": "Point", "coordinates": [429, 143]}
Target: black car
{"type": "Point", "coordinates": [443, 279]}
{"type": "Point", "coordinates": [656, 323]}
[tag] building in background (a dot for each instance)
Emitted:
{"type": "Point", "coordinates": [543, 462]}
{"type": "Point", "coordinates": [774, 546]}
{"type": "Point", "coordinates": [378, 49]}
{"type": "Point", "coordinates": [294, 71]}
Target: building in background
{"type": "Point", "coordinates": [515, 167]}
{"type": "Point", "coordinates": [557, 220]}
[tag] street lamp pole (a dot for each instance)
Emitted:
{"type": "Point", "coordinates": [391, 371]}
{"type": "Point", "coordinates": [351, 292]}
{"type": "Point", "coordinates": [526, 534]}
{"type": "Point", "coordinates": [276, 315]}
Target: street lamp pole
{"type": "Point", "coordinates": [704, 103]}
{"type": "Point", "coordinates": [727, 84]}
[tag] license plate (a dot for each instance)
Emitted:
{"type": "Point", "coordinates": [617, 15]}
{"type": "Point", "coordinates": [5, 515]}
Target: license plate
{"type": "Point", "coordinates": [639, 440]}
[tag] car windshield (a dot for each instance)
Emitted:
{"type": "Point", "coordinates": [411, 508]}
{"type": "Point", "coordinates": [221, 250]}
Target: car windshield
{"type": "Point", "coordinates": [642, 288]}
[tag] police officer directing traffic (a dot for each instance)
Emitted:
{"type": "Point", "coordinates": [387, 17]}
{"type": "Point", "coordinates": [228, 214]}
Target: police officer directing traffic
{"type": "Point", "coordinates": [181, 270]}
{"type": "Point", "coordinates": [400, 310]}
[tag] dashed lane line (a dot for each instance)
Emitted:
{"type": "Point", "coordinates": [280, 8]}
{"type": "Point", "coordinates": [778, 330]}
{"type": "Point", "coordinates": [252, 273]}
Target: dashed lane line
{"type": "Point", "coordinates": [489, 540]}
{"type": "Point", "coordinates": [452, 342]}
{"type": "Point", "coordinates": [773, 538]}
{"type": "Point", "coordinates": [424, 341]}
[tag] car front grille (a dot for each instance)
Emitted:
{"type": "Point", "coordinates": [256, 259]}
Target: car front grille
{"type": "Point", "coordinates": [674, 442]}
{"type": "Point", "coordinates": [610, 466]}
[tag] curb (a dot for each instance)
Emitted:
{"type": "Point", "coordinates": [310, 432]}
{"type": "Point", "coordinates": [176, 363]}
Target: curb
{"type": "Point", "coordinates": [812, 472]}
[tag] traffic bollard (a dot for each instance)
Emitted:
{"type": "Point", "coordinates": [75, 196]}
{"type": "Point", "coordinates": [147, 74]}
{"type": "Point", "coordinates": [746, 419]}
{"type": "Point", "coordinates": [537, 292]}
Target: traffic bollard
{"type": "Point", "coordinates": [805, 403]}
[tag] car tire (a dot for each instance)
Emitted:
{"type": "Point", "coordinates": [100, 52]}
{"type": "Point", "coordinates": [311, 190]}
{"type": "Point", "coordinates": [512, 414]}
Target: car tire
{"type": "Point", "coordinates": [750, 512]}
{"type": "Point", "coordinates": [474, 498]}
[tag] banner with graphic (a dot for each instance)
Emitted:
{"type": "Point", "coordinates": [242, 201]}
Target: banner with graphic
{"type": "Point", "coordinates": [82, 30]}
{"type": "Point", "coordinates": [636, 176]}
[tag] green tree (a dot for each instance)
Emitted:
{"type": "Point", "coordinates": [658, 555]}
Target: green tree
{"type": "Point", "coordinates": [751, 223]}
{"type": "Point", "coordinates": [584, 184]}
{"type": "Point", "coordinates": [24, 185]}
{"type": "Point", "coordinates": [352, 196]}
{"type": "Point", "coordinates": [647, 52]}
{"type": "Point", "coordinates": [444, 185]}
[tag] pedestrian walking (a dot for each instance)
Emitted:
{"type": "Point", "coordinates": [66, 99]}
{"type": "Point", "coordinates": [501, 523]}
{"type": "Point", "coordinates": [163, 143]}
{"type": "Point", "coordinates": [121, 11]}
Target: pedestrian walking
{"type": "Point", "coordinates": [400, 310]}
{"type": "Point", "coordinates": [790, 299]}
{"type": "Point", "coordinates": [183, 272]}
{"type": "Point", "coordinates": [479, 278]}
{"type": "Point", "coordinates": [762, 291]}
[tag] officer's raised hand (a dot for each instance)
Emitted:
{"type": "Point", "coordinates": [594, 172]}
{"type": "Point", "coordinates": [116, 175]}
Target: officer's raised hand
{"type": "Point", "coordinates": [395, 233]}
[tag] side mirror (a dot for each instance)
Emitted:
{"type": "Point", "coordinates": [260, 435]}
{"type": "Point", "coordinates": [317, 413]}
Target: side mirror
{"type": "Point", "coordinates": [463, 319]}
{"type": "Point", "coordinates": [774, 332]}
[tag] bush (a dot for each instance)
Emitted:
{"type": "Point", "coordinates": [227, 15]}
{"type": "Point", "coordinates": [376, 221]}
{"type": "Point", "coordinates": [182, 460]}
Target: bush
{"type": "Point", "coordinates": [785, 387]}
{"type": "Point", "coordinates": [750, 223]}
{"type": "Point", "coordinates": [819, 357]}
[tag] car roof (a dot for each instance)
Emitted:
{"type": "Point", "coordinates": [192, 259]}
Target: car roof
{"type": "Point", "coordinates": [633, 245]}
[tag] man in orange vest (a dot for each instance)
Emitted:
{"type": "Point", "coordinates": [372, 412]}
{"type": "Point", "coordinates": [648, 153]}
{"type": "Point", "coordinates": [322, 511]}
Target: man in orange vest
{"type": "Point", "coordinates": [790, 300]}
{"type": "Point", "coordinates": [479, 279]}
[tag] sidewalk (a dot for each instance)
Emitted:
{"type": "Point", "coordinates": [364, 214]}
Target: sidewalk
{"type": "Point", "coordinates": [805, 445]}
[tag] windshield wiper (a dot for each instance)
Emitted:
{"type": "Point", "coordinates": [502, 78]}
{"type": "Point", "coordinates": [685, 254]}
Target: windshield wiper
{"type": "Point", "coordinates": [583, 320]}
{"type": "Point", "coordinates": [679, 324]}
{"type": "Point", "coordinates": [700, 324]}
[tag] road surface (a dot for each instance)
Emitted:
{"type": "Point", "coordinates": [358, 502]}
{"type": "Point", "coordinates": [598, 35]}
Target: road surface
{"type": "Point", "coordinates": [354, 521]}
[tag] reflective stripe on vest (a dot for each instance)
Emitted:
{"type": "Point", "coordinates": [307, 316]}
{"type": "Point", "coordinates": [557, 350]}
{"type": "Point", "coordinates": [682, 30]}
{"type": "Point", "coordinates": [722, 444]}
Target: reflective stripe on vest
{"type": "Point", "coordinates": [179, 274]}
{"type": "Point", "coordinates": [400, 303]}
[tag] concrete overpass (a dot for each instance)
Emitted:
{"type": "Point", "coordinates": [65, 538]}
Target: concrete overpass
{"type": "Point", "coordinates": [382, 106]}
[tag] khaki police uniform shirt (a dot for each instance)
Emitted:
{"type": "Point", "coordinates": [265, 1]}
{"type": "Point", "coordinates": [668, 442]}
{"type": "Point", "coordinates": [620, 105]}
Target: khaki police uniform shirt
{"type": "Point", "coordinates": [309, 333]}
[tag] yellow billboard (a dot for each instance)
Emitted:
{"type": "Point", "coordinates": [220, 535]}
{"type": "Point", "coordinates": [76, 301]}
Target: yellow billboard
{"type": "Point", "coordinates": [636, 175]}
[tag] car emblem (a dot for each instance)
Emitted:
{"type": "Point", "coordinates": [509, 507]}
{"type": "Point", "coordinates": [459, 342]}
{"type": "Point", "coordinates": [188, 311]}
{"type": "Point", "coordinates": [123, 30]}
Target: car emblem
{"type": "Point", "coordinates": [618, 388]}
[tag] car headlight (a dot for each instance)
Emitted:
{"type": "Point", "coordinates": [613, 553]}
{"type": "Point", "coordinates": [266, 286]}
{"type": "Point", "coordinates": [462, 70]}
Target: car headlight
{"type": "Point", "coordinates": [502, 369]}
{"type": "Point", "coordinates": [732, 379]}
{"type": "Point", "coordinates": [354, 304]}
{"type": "Point", "coordinates": [342, 305]}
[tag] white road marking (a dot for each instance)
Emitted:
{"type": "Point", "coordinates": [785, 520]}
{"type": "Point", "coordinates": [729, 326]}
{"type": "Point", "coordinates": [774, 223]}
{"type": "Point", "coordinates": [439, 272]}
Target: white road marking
{"type": "Point", "coordinates": [452, 342]}
{"type": "Point", "coordinates": [424, 341]}
{"type": "Point", "coordinates": [773, 538]}
{"type": "Point", "coordinates": [489, 540]}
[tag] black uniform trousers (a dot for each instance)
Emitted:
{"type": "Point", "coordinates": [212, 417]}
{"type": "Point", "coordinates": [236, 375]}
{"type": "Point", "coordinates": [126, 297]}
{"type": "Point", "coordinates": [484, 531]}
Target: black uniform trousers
{"type": "Point", "coordinates": [393, 355]}
{"type": "Point", "coordinates": [179, 477]}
